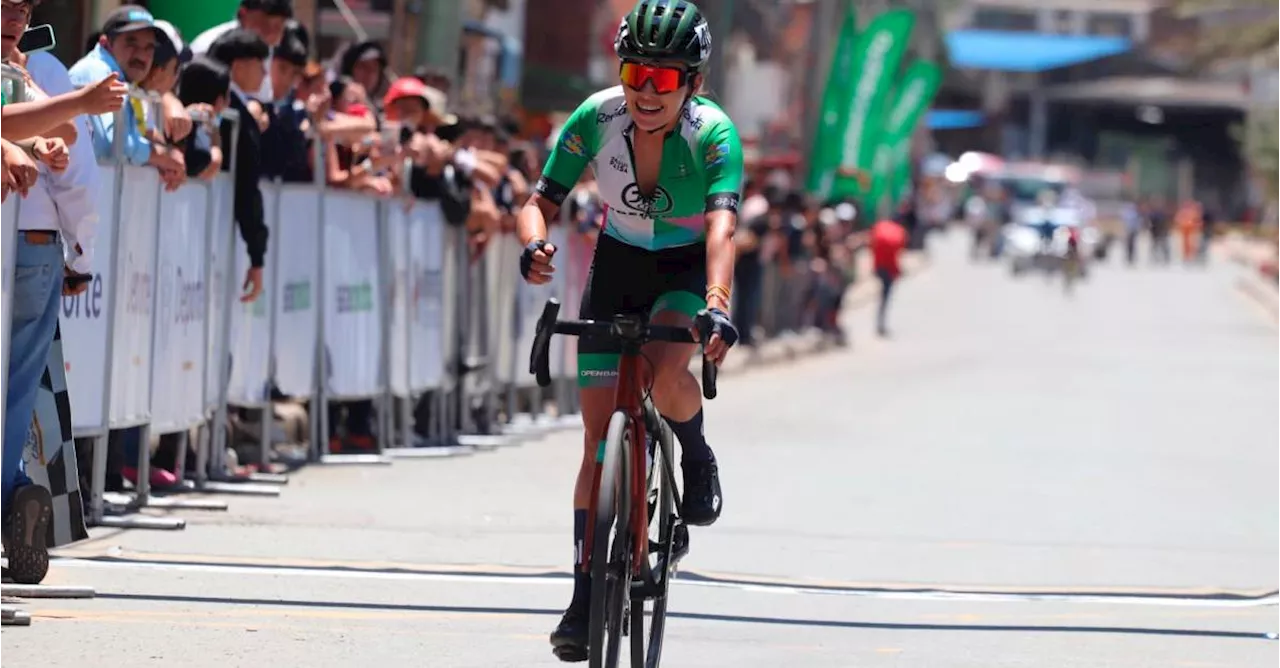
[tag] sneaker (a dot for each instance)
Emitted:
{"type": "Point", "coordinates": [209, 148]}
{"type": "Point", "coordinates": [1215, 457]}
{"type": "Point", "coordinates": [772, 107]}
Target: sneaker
{"type": "Point", "coordinates": [25, 534]}
{"type": "Point", "coordinates": [702, 501]}
{"type": "Point", "coordinates": [160, 478]}
{"type": "Point", "coordinates": [569, 640]}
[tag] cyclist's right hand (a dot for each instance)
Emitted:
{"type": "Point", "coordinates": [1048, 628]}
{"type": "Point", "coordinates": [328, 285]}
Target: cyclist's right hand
{"type": "Point", "coordinates": [535, 262]}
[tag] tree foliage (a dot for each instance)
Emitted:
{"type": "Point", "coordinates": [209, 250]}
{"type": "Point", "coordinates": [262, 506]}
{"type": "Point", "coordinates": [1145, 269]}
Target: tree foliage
{"type": "Point", "coordinates": [1260, 138]}
{"type": "Point", "coordinates": [1238, 39]}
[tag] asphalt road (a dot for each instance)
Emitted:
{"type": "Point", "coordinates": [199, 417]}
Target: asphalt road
{"type": "Point", "coordinates": [1017, 478]}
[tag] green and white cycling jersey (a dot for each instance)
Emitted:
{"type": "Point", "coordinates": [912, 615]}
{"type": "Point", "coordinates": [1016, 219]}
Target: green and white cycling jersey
{"type": "Point", "coordinates": [701, 170]}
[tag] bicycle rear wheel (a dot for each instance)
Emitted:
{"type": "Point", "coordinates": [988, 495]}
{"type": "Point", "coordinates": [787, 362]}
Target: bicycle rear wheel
{"type": "Point", "coordinates": [611, 546]}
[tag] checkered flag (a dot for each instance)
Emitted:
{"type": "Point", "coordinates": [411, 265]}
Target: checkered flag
{"type": "Point", "coordinates": [50, 455]}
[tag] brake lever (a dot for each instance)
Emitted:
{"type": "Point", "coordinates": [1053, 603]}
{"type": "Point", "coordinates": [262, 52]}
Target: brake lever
{"type": "Point", "coordinates": [704, 324]}
{"type": "Point", "coordinates": [539, 359]}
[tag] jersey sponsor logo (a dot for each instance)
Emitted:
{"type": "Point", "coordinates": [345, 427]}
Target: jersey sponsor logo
{"type": "Point", "coordinates": [723, 202]}
{"type": "Point", "coordinates": [717, 155]}
{"type": "Point", "coordinates": [617, 163]}
{"type": "Point", "coordinates": [603, 117]}
{"type": "Point", "coordinates": [687, 115]}
{"type": "Point", "coordinates": [657, 204]}
{"type": "Point", "coordinates": [572, 144]}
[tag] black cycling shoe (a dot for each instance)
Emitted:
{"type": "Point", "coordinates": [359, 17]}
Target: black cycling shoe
{"type": "Point", "coordinates": [569, 640]}
{"type": "Point", "coordinates": [702, 501]}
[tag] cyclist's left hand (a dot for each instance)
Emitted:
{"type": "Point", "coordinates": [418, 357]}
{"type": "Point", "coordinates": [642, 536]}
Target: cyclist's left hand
{"type": "Point", "coordinates": [723, 335]}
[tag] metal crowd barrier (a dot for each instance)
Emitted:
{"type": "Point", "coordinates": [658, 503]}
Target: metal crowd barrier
{"type": "Point", "coordinates": [9, 241]}
{"type": "Point", "coordinates": [365, 299]}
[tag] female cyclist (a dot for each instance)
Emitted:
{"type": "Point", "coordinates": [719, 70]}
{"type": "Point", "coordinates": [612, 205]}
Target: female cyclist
{"type": "Point", "coordinates": [669, 169]}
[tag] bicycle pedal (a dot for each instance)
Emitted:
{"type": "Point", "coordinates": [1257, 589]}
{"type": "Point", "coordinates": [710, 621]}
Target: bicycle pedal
{"type": "Point", "coordinates": [679, 542]}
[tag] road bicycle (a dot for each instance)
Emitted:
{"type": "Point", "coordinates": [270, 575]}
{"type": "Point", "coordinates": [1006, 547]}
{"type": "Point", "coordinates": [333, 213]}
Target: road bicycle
{"type": "Point", "coordinates": [631, 558]}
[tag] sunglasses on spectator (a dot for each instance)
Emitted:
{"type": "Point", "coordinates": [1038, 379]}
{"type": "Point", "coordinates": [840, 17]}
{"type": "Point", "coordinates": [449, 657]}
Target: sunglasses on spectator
{"type": "Point", "coordinates": [665, 79]}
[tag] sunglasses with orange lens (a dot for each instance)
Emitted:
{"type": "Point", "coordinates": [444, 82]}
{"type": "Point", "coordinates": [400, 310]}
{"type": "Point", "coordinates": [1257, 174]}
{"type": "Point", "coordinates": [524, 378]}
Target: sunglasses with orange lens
{"type": "Point", "coordinates": [665, 79]}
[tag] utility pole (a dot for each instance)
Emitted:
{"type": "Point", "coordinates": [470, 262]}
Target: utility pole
{"type": "Point", "coordinates": [720, 19]}
{"type": "Point", "coordinates": [440, 35]}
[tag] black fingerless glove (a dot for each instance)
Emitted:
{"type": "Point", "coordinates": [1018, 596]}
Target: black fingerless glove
{"type": "Point", "coordinates": [722, 325]}
{"type": "Point", "coordinates": [526, 256]}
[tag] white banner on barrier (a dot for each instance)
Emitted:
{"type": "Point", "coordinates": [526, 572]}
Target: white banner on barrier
{"type": "Point", "coordinates": [353, 309]}
{"type": "Point", "coordinates": [251, 324]}
{"type": "Point", "coordinates": [577, 264]}
{"type": "Point", "coordinates": [503, 265]}
{"type": "Point", "coordinates": [398, 223]}
{"type": "Point", "coordinates": [558, 235]}
{"type": "Point", "coordinates": [135, 296]}
{"type": "Point", "coordinates": [180, 351]}
{"type": "Point", "coordinates": [452, 236]}
{"type": "Point", "coordinates": [223, 193]}
{"type": "Point", "coordinates": [426, 336]}
{"type": "Point", "coordinates": [531, 300]}
{"type": "Point", "coordinates": [297, 275]}
{"type": "Point", "coordinates": [84, 320]}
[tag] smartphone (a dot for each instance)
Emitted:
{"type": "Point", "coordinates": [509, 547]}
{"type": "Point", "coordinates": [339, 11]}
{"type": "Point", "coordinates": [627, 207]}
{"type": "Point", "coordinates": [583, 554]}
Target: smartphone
{"type": "Point", "coordinates": [39, 38]}
{"type": "Point", "coordinates": [76, 280]}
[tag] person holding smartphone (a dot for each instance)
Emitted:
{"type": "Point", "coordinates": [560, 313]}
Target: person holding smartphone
{"type": "Point", "coordinates": [58, 211]}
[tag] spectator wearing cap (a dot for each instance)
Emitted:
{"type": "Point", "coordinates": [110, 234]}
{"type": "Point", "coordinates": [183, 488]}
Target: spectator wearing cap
{"type": "Point", "coordinates": [244, 53]}
{"type": "Point", "coordinates": [174, 122]}
{"type": "Point", "coordinates": [266, 19]}
{"type": "Point", "coordinates": [126, 47]}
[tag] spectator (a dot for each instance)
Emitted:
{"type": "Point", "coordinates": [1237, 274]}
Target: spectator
{"type": "Point", "coordinates": [311, 82]}
{"type": "Point", "coordinates": [204, 82]}
{"type": "Point", "coordinates": [126, 48]}
{"type": "Point", "coordinates": [440, 173]}
{"type": "Point", "coordinates": [748, 270]}
{"type": "Point", "coordinates": [44, 270]}
{"type": "Point", "coordinates": [52, 116]}
{"type": "Point", "coordinates": [888, 239]}
{"type": "Point", "coordinates": [435, 78]}
{"type": "Point", "coordinates": [366, 64]}
{"type": "Point", "coordinates": [264, 18]}
{"type": "Point", "coordinates": [174, 122]}
{"type": "Point", "coordinates": [285, 155]}
{"type": "Point", "coordinates": [243, 53]}
{"type": "Point", "coordinates": [20, 171]}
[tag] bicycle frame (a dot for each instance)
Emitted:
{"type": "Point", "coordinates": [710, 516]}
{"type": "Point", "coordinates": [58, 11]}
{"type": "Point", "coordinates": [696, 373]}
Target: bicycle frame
{"type": "Point", "coordinates": [628, 400]}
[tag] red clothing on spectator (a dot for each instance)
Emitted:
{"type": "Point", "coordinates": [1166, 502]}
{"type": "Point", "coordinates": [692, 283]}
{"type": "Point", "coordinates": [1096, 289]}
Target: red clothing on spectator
{"type": "Point", "coordinates": [888, 238]}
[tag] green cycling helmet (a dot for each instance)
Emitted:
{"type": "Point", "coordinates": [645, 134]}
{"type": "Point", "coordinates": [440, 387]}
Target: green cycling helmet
{"type": "Point", "coordinates": [661, 30]}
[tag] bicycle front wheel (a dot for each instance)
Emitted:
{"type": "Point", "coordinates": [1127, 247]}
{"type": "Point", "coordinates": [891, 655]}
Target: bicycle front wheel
{"type": "Point", "coordinates": [662, 552]}
{"type": "Point", "coordinates": [611, 546]}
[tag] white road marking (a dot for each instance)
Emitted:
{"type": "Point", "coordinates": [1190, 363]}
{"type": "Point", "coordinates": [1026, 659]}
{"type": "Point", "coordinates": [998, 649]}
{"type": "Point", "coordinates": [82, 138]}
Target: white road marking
{"type": "Point", "coordinates": [744, 586]}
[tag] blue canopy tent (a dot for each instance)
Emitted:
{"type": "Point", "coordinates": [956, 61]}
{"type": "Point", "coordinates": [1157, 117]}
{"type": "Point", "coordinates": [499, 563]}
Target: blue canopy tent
{"type": "Point", "coordinates": [953, 119]}
{"type": "Point", "coordinates": [1007, 51]}
{"type": "Point", "coordinates": [1027, 51]}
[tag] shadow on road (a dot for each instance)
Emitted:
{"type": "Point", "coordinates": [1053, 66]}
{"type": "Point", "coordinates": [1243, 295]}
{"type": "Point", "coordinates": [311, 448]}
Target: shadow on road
{"type": "Point", "coordinates": [742, 619]}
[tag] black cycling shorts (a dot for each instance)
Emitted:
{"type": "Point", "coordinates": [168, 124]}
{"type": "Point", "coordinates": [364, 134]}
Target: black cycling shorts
{"type": "Point", "coordinates": [625, 279]}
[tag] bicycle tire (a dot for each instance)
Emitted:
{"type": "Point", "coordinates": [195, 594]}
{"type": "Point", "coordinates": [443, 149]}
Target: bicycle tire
{"type": "Point", "coordinates": [610, 549]}
{"type": "Point", "coordinates": [662, 478]}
